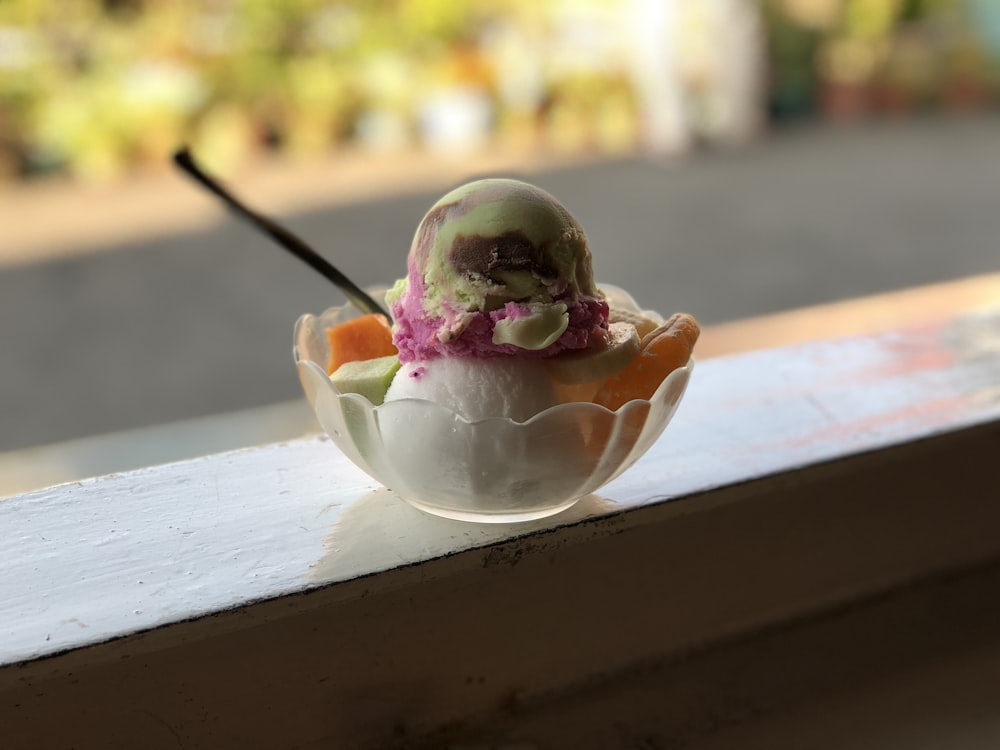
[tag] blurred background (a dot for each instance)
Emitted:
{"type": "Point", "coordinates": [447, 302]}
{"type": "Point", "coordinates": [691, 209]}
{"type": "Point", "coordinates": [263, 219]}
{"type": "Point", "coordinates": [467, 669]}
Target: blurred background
{"type": "Point", "coordinates": [730, 157]}
{"type": "Point", "coordinates": [101, 89]}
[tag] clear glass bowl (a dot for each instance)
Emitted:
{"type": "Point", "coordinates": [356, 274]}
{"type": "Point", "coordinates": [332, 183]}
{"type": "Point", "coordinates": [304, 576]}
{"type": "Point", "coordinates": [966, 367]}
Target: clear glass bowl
{"type": "Point", "coordinates": [492, 470]}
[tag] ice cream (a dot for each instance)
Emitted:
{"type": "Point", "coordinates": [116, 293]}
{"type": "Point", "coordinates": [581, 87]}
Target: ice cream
{"type": "Point", "coordinates": [477, 387]}
{"type": "Point", "coordinates": [499, 276]}
{"type": "Point", "coordinates": [499, 316]}
{"type": "Point", "coordinates": [496, 268]}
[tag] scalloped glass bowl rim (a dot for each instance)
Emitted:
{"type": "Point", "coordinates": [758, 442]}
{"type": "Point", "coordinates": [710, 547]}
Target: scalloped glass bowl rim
{"type": "Point", "coordinates": [452, 414]}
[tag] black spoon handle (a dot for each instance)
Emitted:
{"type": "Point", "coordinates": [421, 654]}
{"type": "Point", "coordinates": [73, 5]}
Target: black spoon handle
{"type": "Point", "coordinates": [282, 236]}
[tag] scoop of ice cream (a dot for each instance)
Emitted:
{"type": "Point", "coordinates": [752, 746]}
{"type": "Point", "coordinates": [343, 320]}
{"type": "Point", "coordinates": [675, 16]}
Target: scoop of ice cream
{"type": "Point", "coordinates": [497, 267]}
{"type": "Point", "coordinates": [477, 388]}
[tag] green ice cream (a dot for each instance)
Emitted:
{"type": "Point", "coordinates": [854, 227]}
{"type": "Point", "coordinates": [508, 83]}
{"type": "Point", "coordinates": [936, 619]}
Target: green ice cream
{"type": "Point", "coordinates": [496, 267]}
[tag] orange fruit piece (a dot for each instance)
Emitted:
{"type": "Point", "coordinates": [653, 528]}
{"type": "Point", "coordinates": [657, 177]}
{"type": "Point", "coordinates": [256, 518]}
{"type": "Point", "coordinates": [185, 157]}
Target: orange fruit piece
{"type": "Point", "coordinates": [365, 337]}
{"type": "Point", "coordinates": [661, 351]}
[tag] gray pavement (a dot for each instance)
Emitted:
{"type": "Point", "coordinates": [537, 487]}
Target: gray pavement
{"type": "Point", "coordinates": [190, 324]}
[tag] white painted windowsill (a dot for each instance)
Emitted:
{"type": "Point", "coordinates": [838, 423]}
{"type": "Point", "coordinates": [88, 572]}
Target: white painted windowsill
{"type": "Point", "coordinates": [278, 592]}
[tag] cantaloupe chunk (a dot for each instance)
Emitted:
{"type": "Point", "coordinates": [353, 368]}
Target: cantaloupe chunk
{"type": "Point", "coordinates": [364, 337]}
{"type": "Point", "coordinates": [661, 352]}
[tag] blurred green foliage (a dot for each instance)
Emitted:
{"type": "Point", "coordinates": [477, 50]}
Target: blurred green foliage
{"type": "Point", "coordinates": [854, 58]}
{"type": "Point", "coordinates": [97, 87]}
{"type": "Point", "coordinates": [92, 86]}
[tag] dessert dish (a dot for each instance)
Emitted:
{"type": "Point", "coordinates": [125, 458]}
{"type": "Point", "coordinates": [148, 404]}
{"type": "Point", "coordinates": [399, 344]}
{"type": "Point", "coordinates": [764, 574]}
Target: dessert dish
{"type": "Point", "coordinates": [519, 384]}
{"type": "Point", "coordinates": [500, 382]}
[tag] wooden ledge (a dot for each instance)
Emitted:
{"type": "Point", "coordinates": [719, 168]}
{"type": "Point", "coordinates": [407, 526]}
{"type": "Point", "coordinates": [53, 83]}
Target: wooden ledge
{"type": "Point", "coordinates": [278, 597]}
{"type": "Point", "coordinates": [862, 316]}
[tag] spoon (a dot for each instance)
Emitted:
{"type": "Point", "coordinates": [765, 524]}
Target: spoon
{"type": "Point", "coordinates": [186, 161]}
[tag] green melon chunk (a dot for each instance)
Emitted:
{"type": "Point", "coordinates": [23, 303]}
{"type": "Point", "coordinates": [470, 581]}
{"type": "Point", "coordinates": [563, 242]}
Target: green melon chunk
{"type": "Point", "coordinates": [368, 377]}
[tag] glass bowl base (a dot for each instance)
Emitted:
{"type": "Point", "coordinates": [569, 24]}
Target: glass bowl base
{"type": "Point", "coordinates": [519, 516]}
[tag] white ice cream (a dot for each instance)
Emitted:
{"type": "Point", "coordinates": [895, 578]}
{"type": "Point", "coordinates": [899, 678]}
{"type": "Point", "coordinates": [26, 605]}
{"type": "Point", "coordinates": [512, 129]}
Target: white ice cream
{"type": "Point", "coordinates": [478, 388]}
